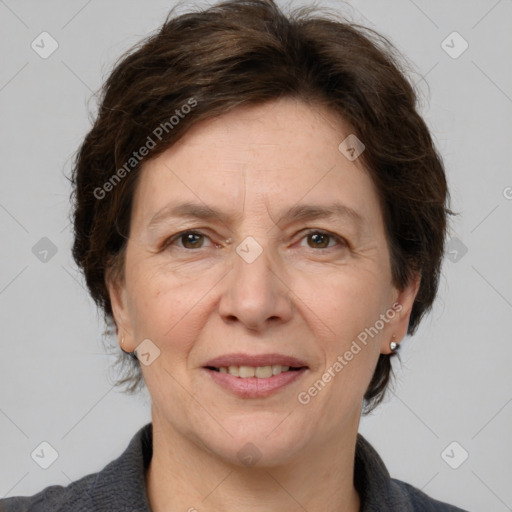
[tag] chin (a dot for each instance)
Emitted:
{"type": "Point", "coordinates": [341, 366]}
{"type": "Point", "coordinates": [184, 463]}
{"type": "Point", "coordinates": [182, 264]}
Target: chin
{"type": "Point", "coordinates": [254, 442]}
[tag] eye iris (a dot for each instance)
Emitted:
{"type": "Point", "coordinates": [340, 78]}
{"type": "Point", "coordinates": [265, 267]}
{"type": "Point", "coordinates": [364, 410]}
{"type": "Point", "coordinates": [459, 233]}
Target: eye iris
{"type": "Point", "coordinates": [316, 237]}
{"type": "Point", "coordinates": [191, 238]}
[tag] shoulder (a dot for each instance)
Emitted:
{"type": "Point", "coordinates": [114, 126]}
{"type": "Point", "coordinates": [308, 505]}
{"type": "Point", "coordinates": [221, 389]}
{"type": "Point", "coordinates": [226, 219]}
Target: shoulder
{"type": "Point", "coordinates": [381, 493]}
{"type": "Point", "coordinates": [56, 498]}
{"type": "Point", "coordinates": [419, 501]}
{"type": "Point", "coordinates": [118, 487]}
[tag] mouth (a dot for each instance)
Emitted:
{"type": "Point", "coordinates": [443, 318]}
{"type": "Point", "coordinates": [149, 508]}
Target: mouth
{"type": "Point", "coordinates": [260, 372]}
{"type": "Point", "coordinates": [241, 360]}
{"type": "Point", "coordinates": [254, 376]}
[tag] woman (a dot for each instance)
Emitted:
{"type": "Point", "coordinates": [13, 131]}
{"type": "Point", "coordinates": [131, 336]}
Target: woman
{"type": "Point", "coordinates": [261, 214]}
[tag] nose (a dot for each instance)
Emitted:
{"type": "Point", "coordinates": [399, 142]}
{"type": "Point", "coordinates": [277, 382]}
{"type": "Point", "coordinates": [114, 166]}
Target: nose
{"type": "Point", "coordinates": [256, 295]}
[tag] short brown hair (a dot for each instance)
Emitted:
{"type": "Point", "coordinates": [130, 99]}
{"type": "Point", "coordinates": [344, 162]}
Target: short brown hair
{"type": "Point", "coordinates": [248, 52]}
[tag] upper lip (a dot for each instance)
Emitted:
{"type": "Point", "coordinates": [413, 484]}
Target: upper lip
{"type": "Point", "coordinates": [255, 360]}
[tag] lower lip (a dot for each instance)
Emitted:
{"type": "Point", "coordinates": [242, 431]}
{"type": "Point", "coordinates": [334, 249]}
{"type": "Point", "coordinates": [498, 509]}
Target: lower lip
{"type": "Point", "coordinates": [254, 387]}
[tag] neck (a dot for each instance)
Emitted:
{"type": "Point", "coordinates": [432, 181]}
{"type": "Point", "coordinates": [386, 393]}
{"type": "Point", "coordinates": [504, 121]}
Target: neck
{"type": "Point", "coordinates": [183, 476]}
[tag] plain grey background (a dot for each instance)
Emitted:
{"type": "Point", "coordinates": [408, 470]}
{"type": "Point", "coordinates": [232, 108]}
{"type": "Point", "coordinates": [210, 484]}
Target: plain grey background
{"type": "Point", "coordinates": [55, 378]}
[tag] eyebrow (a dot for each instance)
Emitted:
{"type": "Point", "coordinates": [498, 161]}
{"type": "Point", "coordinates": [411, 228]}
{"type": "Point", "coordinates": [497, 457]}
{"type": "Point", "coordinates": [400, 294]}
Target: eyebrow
{"type": "Point", "coordinates": [300, 212]}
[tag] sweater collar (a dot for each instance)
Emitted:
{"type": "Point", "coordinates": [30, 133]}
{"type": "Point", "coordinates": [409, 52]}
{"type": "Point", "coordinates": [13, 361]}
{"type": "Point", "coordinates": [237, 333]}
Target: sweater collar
{"type": "Point", "coordinates": [121, 485]}
{"type": "Point", "coordinates": [126, 474]}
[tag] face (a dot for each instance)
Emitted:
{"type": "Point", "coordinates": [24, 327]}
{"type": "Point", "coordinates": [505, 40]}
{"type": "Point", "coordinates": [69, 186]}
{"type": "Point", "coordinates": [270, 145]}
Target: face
{"type": "Point", "coordinates": [259, 275]}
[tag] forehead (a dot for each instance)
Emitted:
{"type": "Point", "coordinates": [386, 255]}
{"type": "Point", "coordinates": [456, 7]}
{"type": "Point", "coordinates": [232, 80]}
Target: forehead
{"type": "Point", "coordinates": [267, 129]}
{"type": "Point", "coordinates": [284, 152]}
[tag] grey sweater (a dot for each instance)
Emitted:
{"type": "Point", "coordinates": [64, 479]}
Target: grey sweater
{"type": "Point", "coordinates": [120, 486]}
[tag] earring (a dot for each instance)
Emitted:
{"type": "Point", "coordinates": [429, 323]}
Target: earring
{"type": "Point", "coordinates": [393, 345]}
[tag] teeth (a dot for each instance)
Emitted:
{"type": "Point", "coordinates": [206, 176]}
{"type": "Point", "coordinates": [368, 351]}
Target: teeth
{"type": "Point", "coordinates": [261, 372]}
{"type": "Point", "coordinates": [244, 371]}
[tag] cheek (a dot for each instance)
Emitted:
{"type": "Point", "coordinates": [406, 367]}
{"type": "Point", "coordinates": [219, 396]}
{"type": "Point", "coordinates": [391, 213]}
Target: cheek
{"type": "Point", "coordinates": [346, 301]}
{"type": "Point", "coordinates": [165, 307]}
{"type": "Point", "coordinates": [342, 318]}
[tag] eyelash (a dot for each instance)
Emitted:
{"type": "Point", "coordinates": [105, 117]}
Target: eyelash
{"type": "Point", "coordinates": [341, 241]}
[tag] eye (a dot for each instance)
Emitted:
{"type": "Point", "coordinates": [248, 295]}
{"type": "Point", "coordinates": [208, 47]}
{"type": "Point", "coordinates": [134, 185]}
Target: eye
{"type": "Point", "coordinates": [191, 240]}
{"type": "Point", "coordinates": [321, 239]}
{"type": "Point", "coordinates": [188, 239]}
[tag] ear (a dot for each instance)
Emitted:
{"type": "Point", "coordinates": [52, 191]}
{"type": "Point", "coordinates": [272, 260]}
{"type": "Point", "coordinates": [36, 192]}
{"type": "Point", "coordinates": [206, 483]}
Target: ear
{"type": "Point", "coordinates": [402, 306]}
{"type": "Point", "coordinates": [116, 287]}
